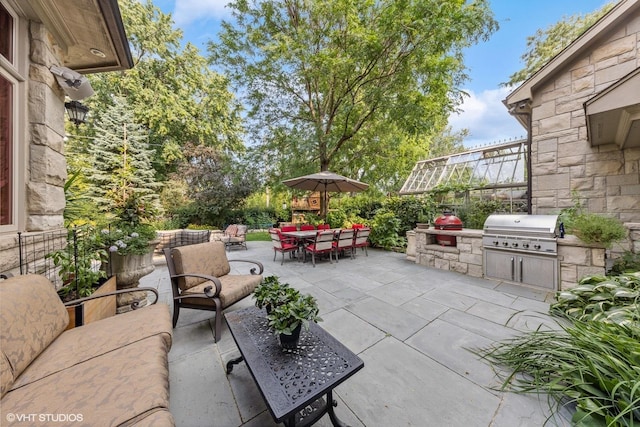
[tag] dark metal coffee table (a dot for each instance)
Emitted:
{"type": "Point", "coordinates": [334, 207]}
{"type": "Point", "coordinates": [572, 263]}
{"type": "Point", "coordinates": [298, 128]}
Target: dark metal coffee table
{"type": "Point", "coordinates": [297, 385]}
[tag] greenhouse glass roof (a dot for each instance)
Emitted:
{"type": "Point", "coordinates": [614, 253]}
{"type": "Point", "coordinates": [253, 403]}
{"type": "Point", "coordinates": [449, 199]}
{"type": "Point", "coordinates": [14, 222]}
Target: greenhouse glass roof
{"type": "Point", "coordinates": [497, 166]}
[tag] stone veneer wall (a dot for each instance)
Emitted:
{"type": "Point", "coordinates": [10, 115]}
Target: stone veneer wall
{"type": "Point", "coordinates": [465, 258]}
{"type": "Point", "coordinates": [605, 176]}
{"type": "Point", "coordinates": [576, 259]}
{"type": "Point", "coordinates": [46, 168]}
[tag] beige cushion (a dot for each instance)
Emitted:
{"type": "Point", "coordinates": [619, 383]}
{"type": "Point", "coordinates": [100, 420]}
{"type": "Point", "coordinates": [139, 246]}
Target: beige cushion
{"type": "Point", "coordinates": [31, 317]}
{"type": "Point", "coordinates": [207, 258]}
{"type": "Point", "coordinates": [231, 230]}
{"type": "Point", "coordinates": [234, 288]}
{"type": "Point", "coordinates": [95, 339]}
{"type": "Point", "coordinates": [112, 389]}
{"type": "Point", "coordinates": [6, 375]}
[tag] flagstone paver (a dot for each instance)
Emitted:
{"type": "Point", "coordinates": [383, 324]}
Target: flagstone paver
{"type": "Point", "coordinates": [413, 326]}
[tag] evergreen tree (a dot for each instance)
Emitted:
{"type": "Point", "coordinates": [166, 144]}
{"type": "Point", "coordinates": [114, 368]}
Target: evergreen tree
{"type": "Point", "coordinates": [122, 176]}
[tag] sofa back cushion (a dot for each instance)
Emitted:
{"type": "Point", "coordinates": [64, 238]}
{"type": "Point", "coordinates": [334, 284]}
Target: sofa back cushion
{"type": "Point", "coordinates": [204, 258]}
{"type": "Point", "coordinates": [31, 317]}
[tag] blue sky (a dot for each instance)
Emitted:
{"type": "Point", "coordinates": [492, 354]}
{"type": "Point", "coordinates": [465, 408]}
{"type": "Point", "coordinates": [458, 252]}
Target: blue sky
{"type": "Point", "coordinates": [490, 63]}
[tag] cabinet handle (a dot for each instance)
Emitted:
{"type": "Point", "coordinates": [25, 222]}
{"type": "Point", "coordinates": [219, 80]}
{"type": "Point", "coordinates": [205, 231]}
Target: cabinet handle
{"type": "Point", "coordinates": [521, 269]}
{"type": "Point", "coordinates": [513, 268]}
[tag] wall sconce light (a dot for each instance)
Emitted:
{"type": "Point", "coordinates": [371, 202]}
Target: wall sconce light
{"type": "Point", "coordinates": [76, 111]}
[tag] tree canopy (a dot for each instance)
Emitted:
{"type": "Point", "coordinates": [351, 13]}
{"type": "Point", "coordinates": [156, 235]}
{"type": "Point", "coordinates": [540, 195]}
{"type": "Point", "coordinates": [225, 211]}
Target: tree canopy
{"type": "Point", "coordinates": [344, 84]}
{"type": "Point", "coordinates": [171, 89]}
{"type": "Point", "coordinates": [547, 43]}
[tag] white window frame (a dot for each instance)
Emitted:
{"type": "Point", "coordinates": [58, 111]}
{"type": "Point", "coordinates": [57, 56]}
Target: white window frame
{"type": "Point", "coordinates": [16, 72]}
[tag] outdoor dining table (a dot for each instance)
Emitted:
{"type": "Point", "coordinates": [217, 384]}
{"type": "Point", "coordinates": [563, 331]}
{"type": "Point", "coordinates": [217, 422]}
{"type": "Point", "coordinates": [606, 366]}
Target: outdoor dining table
{"type": "Point", "coordinates": [306, 235]}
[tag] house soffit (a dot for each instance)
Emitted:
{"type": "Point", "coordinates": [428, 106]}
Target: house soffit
{"type": "Point", "coordinates": [90, 33]}
{"type": "Point", "coordinates": [613, 115]}
{"type": "Point", "coordinates": [586, 41]}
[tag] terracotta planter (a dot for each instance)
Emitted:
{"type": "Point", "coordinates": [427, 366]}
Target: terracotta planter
{"type": "Point", "coordinates": [97, 309]}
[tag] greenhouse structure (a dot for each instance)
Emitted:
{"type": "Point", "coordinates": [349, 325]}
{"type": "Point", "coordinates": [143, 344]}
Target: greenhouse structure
{"type": "Point", "coordinates": [497, 172]}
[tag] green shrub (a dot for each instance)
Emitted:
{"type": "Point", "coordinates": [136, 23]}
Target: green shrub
{"type": "Point", "coordinates": [627, 263]}
{"type": "Point", "coordinates": [410, 210]}
{"type": "Point", "coordinates": [474, 214]}
{"type": "Point", "coordinates": [336, 218]}
{"type": "Point", "coordinates": [384, 230]}
{"type": "Point", "coordinates": [593, 228]}
{"type": "Point", "coordinates": [590, 227]}
{"type": "Point", "coordinates": [613, 299]}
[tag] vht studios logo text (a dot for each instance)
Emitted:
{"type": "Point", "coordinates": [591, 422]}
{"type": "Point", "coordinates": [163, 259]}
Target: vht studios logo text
{"type": "Point", "coordinates": [44, 418]}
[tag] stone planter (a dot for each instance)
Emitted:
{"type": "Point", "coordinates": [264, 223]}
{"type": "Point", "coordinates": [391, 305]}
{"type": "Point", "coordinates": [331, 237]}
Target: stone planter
{"type": "Point", "coordinates": [129, 269]}
{"type": "Point", "coordinates": [97, 309]}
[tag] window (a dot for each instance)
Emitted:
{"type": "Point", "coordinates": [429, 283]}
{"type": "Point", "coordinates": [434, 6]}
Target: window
{"type": "Point", "coordinates": [6, 34]}
{"type": "Point", "coordinates": [6, 151]}
{"type": "Point", "coordinates": [8, 87]}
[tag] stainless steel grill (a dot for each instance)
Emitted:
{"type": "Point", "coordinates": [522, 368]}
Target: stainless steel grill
{"type": "Point", "coordinates": [522, 249]}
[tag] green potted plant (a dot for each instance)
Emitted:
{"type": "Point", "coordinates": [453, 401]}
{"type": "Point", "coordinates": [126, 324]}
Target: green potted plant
{"type": "Point", "coordinates": [78, 264]}
{"type": "Point", "coordinates": [79, 268]}
{"type": "Point", "coordinates": [287, 319]}
{"type": "Point", "coordinates": [271, 293]}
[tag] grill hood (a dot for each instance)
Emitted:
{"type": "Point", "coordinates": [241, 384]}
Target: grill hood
{"type": "Point", "coordinates": [522, 225]}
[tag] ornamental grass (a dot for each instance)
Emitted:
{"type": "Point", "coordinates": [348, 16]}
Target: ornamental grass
{"type": "Point", "coordinates": [592, 361]}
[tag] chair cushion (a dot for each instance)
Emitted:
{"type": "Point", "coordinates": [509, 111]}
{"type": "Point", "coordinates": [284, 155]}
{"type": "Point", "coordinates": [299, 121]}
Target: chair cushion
{"type": "Point", "coordinates": [231, 230]}
{"type": "Point", "coordinates": [234, 288]}
{"type": "Point", "coordinates": [207, 258]}
{"type": "Point", "coordinates": [31, 317]}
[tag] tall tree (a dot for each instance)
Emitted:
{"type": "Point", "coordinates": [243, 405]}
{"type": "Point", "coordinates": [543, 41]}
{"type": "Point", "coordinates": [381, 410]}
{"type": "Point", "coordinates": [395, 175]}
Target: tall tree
{"type": "Point", "coordinates": [215, 183]}
{"type": "Point", "coordinates": [171, 89]}
{"type": "Point", "coordinates": [547, 43]}
{"type": "Point", "coordinates": [331, 71]}
{"type": "Point", "coordinates": [121, 171]}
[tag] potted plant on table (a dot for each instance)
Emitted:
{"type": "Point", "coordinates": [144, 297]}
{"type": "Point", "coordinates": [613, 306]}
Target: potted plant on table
{"type": "Point", "coordinates": [288, 319]}
{"type": "Point", "coordinates": [271, 293]}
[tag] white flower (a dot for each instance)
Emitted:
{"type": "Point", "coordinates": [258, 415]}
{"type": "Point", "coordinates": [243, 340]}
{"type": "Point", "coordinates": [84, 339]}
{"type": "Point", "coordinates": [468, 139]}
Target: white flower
{"type": "Point", "coordinates": [104, 231]}
{"type": "Point", "coordinates": [113, 248]}
{"type": "Point", "coordinates": [134, 235]}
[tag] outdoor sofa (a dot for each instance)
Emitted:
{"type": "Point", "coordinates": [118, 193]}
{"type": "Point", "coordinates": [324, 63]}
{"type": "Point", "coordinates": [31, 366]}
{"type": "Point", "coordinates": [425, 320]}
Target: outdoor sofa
{"type": "Point", "coordinates": [109, 372]}
{"type": "Point", "coordinates": [180, 237]}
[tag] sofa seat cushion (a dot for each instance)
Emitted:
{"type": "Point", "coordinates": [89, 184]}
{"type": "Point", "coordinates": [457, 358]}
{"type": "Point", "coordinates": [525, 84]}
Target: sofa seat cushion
{"type": "Point", "coordinates": [204, 258]}
{"type": "Point", "coordinates": [95, 339]}
{"type": "Point", "coordinates": [31, 317]}
{"type": "Point", "coordinates": [112, 389]}
{"type": "Point", "coordinates": [159, 418]}
{"type": "Point", "coordinates": [234, 288]}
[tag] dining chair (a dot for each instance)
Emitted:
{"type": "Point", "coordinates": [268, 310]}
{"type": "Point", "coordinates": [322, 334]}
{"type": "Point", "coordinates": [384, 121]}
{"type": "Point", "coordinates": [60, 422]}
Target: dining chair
{"type": "Point", "coordinates": [289, 228]}
{"type": "Point", "coordinates": [322, 244]}
{"type": "Point", "coordinates": [361, 240]}
{"type": "Point", "coordinates": [324, 226]}
{"type": "Point", "coordinates": [282, 244]}
{"type": "Point", "coordinates": [344, 242]}
{"type": "Point", "coordinates": [307, 227]}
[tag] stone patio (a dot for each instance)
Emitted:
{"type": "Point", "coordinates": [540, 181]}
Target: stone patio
{"type": "Point", "coordinates": [411, 325]}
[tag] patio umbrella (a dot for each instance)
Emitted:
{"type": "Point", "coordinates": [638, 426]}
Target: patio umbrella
{"type": "Point", "coordinates": [324, 182]}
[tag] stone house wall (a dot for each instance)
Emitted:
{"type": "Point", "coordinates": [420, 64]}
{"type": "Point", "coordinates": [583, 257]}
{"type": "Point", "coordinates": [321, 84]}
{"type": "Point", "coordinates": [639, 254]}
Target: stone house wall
{"type": "Point", "coordinates": [564, 162]}
{"type": "Point", "coordinates": [45, 165]}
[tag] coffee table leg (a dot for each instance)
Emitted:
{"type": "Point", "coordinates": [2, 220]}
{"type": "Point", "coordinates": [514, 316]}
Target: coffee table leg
{"type": "Point", "coordinates": [331, 403]}
{"type": "Point", "coordinates": [232, 362]}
